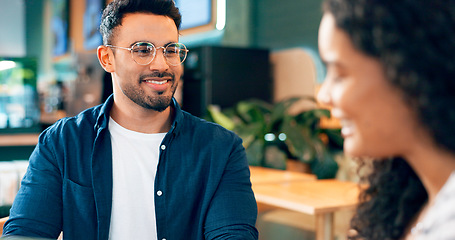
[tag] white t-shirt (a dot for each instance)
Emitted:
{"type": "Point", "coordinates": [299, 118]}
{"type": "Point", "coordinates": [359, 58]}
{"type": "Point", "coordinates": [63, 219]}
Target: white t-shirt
{"type": "Point", "coordinates": [134, 161]}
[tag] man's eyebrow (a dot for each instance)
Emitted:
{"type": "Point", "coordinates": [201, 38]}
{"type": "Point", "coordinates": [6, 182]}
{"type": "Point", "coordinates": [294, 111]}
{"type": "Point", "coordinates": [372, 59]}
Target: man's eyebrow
{"type": "Point", "coordinates": [134, 43]}
{"type": "Point", "coordinates": [144, 41]}
{"type": "Point", "coordinates": [169, 43]}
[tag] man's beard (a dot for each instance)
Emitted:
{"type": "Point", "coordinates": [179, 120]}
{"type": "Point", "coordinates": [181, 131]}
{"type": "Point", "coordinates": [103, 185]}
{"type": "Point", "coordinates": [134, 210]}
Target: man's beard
{"type": "Point", "coordinates": [158, 102]}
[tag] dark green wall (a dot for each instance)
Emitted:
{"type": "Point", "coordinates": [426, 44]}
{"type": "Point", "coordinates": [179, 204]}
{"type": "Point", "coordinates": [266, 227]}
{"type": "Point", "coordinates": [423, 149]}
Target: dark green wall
{"type": "Point", "coordinates": [34, 31]}
{"type": "Point", "coordinates": [272, 24]}
{"type": "Point", "coordinates": [287, 23]}
{"type": "Point", "coordinates": [34, 27]}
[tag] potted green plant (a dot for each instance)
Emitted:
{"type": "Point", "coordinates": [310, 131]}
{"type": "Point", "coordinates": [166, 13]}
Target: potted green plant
{"type": "Point", "coordinates": [272, 135]}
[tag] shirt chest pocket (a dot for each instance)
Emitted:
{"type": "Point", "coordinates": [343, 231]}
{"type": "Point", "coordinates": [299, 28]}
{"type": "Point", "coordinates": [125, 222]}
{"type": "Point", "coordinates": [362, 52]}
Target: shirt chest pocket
{"type": "Point", "coordinates": [79, 210]}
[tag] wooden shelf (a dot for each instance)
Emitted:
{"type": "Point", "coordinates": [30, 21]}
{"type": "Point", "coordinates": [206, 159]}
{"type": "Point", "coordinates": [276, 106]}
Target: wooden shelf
{"type": "Point", "coordinates": [29, 139]}
{"type": "Point", "coordinates": [19, 140]}
{"type": "Point", "coordinates": [51, 118]}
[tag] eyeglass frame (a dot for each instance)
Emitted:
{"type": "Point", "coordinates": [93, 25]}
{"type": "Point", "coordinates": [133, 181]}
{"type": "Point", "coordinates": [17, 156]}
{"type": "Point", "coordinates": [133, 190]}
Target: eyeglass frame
{"type": "Point", "coordinates": [154, 54]}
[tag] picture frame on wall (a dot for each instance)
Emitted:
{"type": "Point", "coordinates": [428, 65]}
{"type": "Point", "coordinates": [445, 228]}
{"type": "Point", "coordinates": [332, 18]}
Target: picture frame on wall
{"type": "Point", "coordinates": [92, 20]}
{"type": "Point", "coordinates": [198, 16]}
{"type": "Point", "coordinates": [59, 27]}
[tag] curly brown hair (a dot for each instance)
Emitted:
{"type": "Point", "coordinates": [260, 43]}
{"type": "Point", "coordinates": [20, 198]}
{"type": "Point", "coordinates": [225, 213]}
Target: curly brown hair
{"type": "Point", "coordinates": [414, 40]}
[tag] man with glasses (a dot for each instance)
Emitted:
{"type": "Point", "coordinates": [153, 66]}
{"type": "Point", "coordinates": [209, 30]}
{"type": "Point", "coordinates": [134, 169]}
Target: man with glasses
{"type": "Point", "coordinates": [137, 167]}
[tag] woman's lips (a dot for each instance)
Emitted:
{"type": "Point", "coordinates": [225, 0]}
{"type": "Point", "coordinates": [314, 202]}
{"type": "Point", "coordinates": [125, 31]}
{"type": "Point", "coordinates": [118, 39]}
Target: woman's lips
{"type": "Point", "coordinates": [347, 128]}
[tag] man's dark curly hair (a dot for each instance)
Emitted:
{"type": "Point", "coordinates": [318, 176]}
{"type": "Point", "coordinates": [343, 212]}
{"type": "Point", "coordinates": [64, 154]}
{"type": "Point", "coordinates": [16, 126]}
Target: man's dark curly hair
{"type": "Point", "coordinates": [116, 10]}
{"type": "Point", "coordinates": [414, 40]}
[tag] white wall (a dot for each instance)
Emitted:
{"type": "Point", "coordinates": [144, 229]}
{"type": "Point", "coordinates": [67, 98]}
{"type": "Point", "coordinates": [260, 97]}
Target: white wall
{"type": "Point", "coordinates": [294, 74]}
{"type": "Point", "coordinates": [12, 28]}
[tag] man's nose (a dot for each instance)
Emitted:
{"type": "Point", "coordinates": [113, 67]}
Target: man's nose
{"type": "Point", "coordinates": [159, 62]}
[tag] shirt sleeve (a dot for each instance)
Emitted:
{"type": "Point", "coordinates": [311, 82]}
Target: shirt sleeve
{"type": "Point", "coordinates": [37, 208]}
{"type": "Point", "coordinates": [233, 210]}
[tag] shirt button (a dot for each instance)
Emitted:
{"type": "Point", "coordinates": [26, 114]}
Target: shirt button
{"type": "Point", "coordinates": [164, 239]}
{"type": "Point", "coordinates": [163, 147]}
{"type": "Point", "coordinates": [159, 193]}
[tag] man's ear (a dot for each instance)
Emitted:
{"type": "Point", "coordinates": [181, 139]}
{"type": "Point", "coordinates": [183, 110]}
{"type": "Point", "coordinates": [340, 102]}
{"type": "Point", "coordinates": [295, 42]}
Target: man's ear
{"type": "Point", "coordinates": [106, 58]}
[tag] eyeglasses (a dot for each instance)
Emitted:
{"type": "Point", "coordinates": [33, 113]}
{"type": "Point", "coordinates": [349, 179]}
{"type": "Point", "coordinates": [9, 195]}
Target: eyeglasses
{"type": "Point", "coordinates": [143, 53]}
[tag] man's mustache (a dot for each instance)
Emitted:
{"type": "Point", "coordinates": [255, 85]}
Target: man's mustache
{"type": "Point", "coordinates": [157, 75]}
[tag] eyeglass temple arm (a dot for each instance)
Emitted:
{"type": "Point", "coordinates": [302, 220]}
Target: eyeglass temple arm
{"type": "Point", "coordinates": [129, 49]}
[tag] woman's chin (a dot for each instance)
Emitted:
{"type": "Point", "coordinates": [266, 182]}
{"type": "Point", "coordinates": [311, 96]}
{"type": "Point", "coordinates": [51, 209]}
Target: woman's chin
{"type": "Point", "coordinates": [352, 149]}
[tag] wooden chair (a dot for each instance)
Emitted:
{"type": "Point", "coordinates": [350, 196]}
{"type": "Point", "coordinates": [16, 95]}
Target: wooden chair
{"type": "Point", "coordinates": [2, 222]}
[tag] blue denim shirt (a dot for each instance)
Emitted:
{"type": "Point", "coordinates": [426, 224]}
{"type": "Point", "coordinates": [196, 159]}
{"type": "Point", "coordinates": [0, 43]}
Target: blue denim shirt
{"type": "Point", "coordinates": [202, 174]}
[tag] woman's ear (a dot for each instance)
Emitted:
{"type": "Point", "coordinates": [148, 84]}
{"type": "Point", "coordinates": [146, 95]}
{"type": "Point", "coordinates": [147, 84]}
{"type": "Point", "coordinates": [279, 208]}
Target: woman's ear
{"type": "Point", "coordinates": [106, 58]}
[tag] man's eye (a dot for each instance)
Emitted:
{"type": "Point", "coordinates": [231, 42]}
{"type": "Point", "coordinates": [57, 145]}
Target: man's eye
{"type": "Point", "coordinates": [145, 50]}
{"type": "Point", "coordinates": [172, 51]}
{"type": "Point", "coordinates": [142, 51]}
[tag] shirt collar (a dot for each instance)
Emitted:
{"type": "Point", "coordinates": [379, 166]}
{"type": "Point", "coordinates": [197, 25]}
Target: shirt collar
{"type": "Point", "coordinates": [178, 120]}
{"type": "Point", "coordinates": [103, 116]}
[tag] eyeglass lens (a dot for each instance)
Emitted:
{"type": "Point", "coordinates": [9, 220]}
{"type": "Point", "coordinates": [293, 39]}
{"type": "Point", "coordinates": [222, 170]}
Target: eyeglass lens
{"type": "Point", "coordinates": [144, 53]}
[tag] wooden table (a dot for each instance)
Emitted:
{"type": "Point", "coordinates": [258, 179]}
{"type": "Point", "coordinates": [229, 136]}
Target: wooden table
{"type": "Point", "coordinates": [262, 175]}
{"type": "Point", "coordinates": [320, 198]}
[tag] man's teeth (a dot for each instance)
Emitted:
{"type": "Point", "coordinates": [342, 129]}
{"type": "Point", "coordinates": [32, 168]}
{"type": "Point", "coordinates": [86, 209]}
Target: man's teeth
{"type": "Point", "coordinates": [156, 82]}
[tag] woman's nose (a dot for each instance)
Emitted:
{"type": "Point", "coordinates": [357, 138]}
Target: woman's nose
{"type": "Point", "coordinates": [323, 95]}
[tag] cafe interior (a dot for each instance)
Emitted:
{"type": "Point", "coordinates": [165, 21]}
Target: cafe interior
{"type": "Point", "coordinates": [241, 53]}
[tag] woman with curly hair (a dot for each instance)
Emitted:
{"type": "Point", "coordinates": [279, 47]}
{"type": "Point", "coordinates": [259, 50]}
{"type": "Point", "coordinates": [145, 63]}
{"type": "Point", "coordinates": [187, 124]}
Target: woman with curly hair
{"type": "Point", "coordinates": [391, 81]}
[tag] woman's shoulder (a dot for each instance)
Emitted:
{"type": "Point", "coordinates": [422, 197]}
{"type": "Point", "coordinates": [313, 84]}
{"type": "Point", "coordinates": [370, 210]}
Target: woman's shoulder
{"type": "Point", "coordinates": [440, 220]}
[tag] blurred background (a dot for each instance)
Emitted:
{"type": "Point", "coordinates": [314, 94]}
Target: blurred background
{"type": "Point", "coordinates": [241, 52]}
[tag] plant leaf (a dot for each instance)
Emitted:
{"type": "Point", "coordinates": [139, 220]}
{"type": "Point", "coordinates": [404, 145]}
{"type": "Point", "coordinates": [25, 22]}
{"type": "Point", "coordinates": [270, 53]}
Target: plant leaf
{"type": "Point", "coordinates": [220, 118]}
{"type": "Point", "coordinates": [255, 153]}
{"type": "Point", "coordinates": [298, 142]}
{"type": "Point", "coordinates": [250, 112]}
{"type": "Point", "coordinates": [325, 167]}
